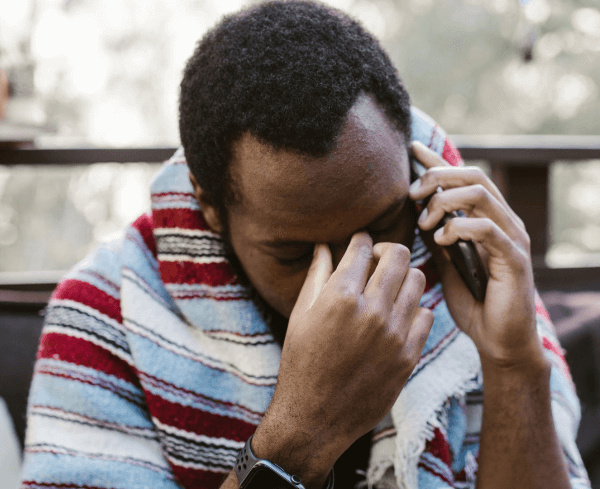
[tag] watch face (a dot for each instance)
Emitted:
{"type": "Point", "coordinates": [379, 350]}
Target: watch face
{"type": "Point", "coordinates": [262, 477]}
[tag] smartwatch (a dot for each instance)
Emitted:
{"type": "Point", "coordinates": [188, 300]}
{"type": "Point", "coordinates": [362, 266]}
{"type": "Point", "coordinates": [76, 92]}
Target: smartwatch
{"type": "Point", "coordinates": [255, 473]}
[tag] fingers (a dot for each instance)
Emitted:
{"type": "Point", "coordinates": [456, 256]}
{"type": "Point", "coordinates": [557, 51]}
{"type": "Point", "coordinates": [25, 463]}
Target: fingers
{"type": "Point", "coordinates": [444, 175]}
{"type": "Point", "coordinates": [409, 296]}
{"type": "Point", "coordinates": [418, 334]}
{"type": "Point", "coordinates": [475, 201]}
{"type": "Point", "coordinates": [353, 270]}
{"type": "Point", "coordinates": [485, 232]}
{"type": "Point", "coordinates": [389, 274]}
{"type": "Point", "coordinates": [427, 157]}
{"type": "Point", "coordinates": [318, 275]}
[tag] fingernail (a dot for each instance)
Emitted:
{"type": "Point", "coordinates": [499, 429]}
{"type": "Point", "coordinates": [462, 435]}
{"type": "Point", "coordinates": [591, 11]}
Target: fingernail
{"type": "Point", "coordinates": [415, 186]}
{"type": "Point", "coordinates": [423, 216]}
{"type": "Point", "coordinates": [438, 234]}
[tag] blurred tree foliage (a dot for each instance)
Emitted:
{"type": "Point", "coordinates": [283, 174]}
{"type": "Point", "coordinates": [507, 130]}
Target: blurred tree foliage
{"type": "Point", "coordinates": [106, 73]}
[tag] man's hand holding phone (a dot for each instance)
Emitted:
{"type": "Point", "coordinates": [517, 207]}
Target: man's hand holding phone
{"type": "Point", "coordinates": [503, 326]}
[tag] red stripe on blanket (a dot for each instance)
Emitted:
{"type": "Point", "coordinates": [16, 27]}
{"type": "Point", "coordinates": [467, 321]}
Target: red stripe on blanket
{"type": "Point", "coordinates": [186, 272]}
{"type": "Point", "coordinates": [541, 309]}
{"type": "Point", "coordinates": [439, 447]}
{"type": "Point", "coordinates": [558, 353]}
{"type": "Point", "coordinates": [179, 218]}
{"type": "Point", "coordinates": [144, 226]}
{"type": "Point", "coordinates": [440, 476]}
{"type": "Point", "coordinates": [460, 476]}
{"type": "Point", "coordinates": [81, 352]}
{"type": "Point", "coordinates": [432, 137]}
{"type": "Point", "coordinates": [431, 275]}
{"type": "Point", "coordinates": [198, 478]}
{"type": "Point", "coordinates": [89, 295]}
{"type": "Point", "coordinates": [198, 421]}
{"type": "Point", "coordinates": [554, 348]}
{"type": "Point", "coordinates": [451, 154]}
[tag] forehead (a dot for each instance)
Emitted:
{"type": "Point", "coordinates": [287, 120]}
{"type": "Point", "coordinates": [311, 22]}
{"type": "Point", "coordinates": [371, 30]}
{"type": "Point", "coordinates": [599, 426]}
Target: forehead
{"type": "Point", "coordinates": [289, 196]}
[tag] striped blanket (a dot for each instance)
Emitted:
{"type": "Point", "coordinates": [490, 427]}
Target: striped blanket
{"type": "Point", "coordinates": [156, 365]}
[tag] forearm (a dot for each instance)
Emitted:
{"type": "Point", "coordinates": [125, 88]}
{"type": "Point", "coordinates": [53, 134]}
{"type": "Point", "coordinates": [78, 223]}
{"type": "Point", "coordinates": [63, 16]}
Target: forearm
{"type": "Point", "coordinates": [519, 446]}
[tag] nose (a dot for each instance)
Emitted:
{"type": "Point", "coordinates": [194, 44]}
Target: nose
{"type": "Point", "coordinates": [337, 252]}
{"type": "Point", "coordinates": [339, 249]}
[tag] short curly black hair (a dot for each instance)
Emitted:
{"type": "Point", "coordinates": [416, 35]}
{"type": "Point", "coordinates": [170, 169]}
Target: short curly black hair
{"type": "Point", "coordinates": [287, 72]}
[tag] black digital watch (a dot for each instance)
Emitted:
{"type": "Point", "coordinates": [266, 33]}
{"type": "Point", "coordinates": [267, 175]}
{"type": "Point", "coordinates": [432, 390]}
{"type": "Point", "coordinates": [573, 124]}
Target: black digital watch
{"type": "Point", "coordinates": [255, 473]}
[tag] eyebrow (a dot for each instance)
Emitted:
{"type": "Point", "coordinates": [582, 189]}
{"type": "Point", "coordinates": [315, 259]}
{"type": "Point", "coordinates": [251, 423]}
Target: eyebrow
{"type": "Point", "coordinates": [282, 242]}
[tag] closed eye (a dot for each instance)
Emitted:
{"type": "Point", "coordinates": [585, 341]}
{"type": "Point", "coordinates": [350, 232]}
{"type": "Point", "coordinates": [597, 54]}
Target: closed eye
{"type": "Point", "coordinates": [297, 260]}
{"type": "Point", "coordinates": [388, 230]}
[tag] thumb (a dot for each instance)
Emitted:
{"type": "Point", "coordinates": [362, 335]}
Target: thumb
{"type": "Point", "coordinates": [319, 272]}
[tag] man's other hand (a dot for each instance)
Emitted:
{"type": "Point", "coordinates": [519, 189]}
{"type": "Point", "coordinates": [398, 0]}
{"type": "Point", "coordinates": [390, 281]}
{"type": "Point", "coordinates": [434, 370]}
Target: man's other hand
{"type": "Point", "coordinates": [354, 337]}
{"type": "Point", "coordinates": [503, 326]}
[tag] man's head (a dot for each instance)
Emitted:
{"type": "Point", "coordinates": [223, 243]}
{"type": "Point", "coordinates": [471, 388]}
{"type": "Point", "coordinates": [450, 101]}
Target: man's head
{"type": "Point", "coordinates": [295, 126]}
{"type": "Point", "coordinates": [287, 73]}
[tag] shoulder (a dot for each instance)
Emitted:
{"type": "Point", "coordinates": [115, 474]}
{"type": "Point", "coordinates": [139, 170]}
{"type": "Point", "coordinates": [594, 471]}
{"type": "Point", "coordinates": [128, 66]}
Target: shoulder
{"type": "Point", "coordinates": [83, 319]}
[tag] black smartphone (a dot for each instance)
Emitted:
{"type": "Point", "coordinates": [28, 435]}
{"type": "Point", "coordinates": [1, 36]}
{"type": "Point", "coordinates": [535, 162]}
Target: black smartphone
{"type": "Point", "coordinates": [463, 254]}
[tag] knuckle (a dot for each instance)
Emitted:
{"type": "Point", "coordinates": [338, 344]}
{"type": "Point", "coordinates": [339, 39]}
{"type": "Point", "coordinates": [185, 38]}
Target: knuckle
{"type": "Point", "coordinates": [399, 252]}
{"type": "Point", "coordinates": [377, 318]}
{"type": "Point", "coordinates": [450, 226]}
{"type": "Point", "coordinates": [416, 277]}
{"type": "Point", "coordinates": [481, 193]}
{"type": "Point", "coordinates": [427, 178]}
{"type": "Point", "coordinates": [346, 297]}
{"type": "Point", "coordinates": [489, 227]}
{"type": "Point", "coordinates": [434, 200]}
{"type": "Point", "coordinates": [365, 250]}
{"type": "Point", "coordinates": [427, 316]}
{"type": "Point", "coordinates": [477, 173]}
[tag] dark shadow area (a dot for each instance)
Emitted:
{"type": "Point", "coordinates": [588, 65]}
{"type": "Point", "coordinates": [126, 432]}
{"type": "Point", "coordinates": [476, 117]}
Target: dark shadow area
{"type": "Point", "coordinates": [20, 327]}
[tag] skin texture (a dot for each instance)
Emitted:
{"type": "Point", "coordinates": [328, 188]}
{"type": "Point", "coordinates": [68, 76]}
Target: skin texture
{"type": "Point", "coordinates": [291, 199]}
{"type": "Point", "coordinates": [355, 331]}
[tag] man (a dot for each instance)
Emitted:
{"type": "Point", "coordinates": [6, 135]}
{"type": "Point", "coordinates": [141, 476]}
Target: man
{"type": "Point", "coordinates": [169, 353]}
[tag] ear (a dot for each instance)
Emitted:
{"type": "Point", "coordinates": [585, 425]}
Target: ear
{"type": "Point", "coordinates": [211, 216]}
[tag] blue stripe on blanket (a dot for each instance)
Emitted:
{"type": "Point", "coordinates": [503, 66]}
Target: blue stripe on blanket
{"type": "Point", "coordinates": [80, 470]}
{"type": "Point", "coordinates": [421, 127]}
{"type": "Point", "coordinates": [457, 426]}
{"type": "Point", "coordinates": [90, 400]}
{"type": "Point", "coordinates": [429, 480]}
{"type": "Point", "coordinates": [140, 262]}
{"type": "Point", "coordinates": [243, 317]}
{"type": "Point", "coordinates": [102, 268]}
{"type": "Point", "coordinates": [184, 373]}
{"type": "Point", "coordinates": [443, 325]}
{"type": "Point", "coordinates": [170, 178]}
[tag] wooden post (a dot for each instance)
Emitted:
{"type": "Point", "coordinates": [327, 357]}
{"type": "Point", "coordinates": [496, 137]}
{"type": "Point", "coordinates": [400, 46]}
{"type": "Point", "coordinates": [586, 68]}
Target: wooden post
{"type": "Point", "coordinates": [525, 187]}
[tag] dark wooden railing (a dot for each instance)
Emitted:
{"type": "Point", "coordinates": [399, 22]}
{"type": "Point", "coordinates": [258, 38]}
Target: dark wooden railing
{"type": "Point", "coordinates": [519, 164]}
{"type": "Point", "coordinates": [520, 167]}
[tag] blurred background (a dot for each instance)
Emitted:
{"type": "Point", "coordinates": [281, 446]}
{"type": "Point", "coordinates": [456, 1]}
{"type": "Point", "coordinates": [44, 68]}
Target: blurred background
{"type": "Point", "coordinates": [106, 74]}
{"type": "Point", "coordinates": [516, 82]}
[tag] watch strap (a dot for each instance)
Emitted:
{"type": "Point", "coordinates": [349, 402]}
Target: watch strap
{"type": "Point", "coordinates": [246, 460]}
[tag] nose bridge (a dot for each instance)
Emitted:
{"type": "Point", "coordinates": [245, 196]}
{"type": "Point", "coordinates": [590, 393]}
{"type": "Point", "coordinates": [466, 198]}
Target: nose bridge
{"type": "Point", "coordinates": [337, 251]}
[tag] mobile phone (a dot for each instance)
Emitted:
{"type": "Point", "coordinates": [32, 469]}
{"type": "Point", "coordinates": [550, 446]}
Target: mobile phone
{"type": "Point", "coordinates": [463, 254]}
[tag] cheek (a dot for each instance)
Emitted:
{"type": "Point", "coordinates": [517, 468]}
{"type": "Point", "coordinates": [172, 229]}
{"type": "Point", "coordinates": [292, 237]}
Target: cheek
{"type": "Point", "coordinates": [278, 285]}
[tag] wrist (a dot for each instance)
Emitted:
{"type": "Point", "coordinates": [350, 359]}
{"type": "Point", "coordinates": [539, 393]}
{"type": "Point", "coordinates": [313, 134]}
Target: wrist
{"type": "Point", "coordinates": [521, 353]}
{"type": "Point", "coordinates": [532, 366]}
{"type": "Point", "coordinates": [298, 453]}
